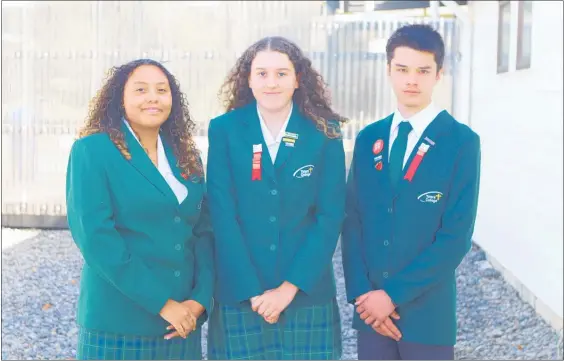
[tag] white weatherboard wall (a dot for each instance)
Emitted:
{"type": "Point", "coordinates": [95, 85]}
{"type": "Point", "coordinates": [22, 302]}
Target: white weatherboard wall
{"type": "Point", "coordinates": [519, 116]}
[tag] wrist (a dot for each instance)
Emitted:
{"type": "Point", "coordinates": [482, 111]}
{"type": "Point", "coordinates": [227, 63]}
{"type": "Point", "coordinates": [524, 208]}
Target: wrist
{"type": "Point", "coordinates": [196, 307]}
{"type": "Point", "coordinates": [165, 306]}
{"type": "Point", "coordinates": [390, 299]}
{"type": "Point", "coordinates": [289, 288]}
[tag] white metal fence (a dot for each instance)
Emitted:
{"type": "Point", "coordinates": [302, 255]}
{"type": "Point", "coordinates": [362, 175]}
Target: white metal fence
{"type": "Point", "coordinates": [55, 55]}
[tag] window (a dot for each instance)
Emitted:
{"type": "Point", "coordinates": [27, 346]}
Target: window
{"type": "Point", "coordinates": [524, 34]}
{"type": "Point", "coordinates": [503, 36]}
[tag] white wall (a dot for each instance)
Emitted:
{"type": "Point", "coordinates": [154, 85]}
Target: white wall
{"type": "Point", "coordinates": [519, 117]}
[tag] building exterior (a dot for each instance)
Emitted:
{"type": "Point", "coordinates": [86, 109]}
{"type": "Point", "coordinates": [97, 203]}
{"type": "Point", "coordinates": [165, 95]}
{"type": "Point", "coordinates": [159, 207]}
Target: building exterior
{"type": "Point", "coordinates": [515, 105]}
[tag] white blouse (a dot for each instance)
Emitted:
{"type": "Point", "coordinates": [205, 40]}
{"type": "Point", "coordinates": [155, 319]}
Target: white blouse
{"type": "Point", "coordinates": [272, 143]}
{"type": "Point", "coordinates": [179, 189]}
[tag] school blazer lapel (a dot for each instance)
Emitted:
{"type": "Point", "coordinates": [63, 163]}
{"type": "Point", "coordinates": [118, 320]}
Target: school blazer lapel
{"type": "Point", "coordinates": [192, 183]}
{"type": "Point", "coordinates": [140, 161]}
{"type": "Point", "coordinates": [253, 135]}
{"type": "Point", "coordinates": [293, 139]}
{"type": "Point", "coordinates": [431, 136]}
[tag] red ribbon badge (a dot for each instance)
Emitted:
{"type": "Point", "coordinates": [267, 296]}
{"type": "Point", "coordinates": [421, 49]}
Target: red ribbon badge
{"type": "Point", "coordinates": [416, 161]}
{"type": "Point", "coordinates": [257, 155]}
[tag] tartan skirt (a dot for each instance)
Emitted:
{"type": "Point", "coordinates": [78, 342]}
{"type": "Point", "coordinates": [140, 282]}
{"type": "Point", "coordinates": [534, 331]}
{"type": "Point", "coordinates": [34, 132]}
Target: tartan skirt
{"type": "Point", "coordinates": [99, 345]}
{"type": "Point", "coordinates": [304, 333]}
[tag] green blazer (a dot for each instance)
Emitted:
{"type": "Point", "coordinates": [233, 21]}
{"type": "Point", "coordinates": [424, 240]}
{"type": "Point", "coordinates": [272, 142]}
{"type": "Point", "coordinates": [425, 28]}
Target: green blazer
{"type": "Point", "coordinates": [283, 227]}
{"type": "Point", "coordinates": [139, 245]}
{"type": "Point", "coordinates": [409, 239]}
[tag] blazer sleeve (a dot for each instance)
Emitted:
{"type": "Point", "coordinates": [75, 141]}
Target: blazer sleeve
{"type": "Point", "coordinates": [90, 219]}
{"type": "Point", "coordinates": [230, 247]}
{"type": "Point", "coordinates": [203, 251]}
{"type": "Point", "coordinates": [452, 240]}
{"type": "Point", "coordinates": [313, 257]}
{"type": "Point", "coordinates": [355, 269]}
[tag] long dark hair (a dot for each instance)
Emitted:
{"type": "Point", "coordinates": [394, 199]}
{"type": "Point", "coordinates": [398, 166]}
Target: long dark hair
{"type": "Point", "coordinates": [312, 96]}
{"type": "Point", "coordinates": [106, 112]}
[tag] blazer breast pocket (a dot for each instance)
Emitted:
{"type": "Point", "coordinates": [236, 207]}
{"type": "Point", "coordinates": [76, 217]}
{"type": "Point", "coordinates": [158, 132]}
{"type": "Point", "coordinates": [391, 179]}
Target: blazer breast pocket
{"type": "Point", "coordinates": [306, 172]}
{"type": "Point", "coordinates": [301, 181]}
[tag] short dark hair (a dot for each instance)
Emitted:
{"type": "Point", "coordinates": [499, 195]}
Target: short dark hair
{"type": "Point", "coordinates": [419, 37]}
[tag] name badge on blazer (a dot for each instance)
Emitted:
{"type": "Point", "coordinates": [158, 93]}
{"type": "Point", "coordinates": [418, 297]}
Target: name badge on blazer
{"type": "Point", "coordinates": [289, 139]}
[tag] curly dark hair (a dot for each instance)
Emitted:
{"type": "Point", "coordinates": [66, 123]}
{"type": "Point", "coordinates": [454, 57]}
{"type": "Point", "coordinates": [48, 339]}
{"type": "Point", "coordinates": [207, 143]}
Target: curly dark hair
{"type": "Point", "coordinates": [106, 112]}
{"type": "Point", "coordinates": [311, 96]}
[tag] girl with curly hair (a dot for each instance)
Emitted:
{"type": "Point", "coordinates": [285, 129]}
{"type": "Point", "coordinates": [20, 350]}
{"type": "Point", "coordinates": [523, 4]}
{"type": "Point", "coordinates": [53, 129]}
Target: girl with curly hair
{"type": "Point", "coordinates": [137, 211]}
{"type": "Point", "coordinates": [276, 184]}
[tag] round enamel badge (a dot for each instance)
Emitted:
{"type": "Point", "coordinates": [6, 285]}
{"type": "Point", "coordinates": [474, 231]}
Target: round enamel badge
{"type": "Point", "coordinates": [378, 146]}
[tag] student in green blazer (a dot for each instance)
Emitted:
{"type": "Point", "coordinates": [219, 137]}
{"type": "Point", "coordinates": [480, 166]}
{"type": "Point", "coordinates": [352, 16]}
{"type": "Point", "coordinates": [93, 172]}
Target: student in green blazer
{"type": "Point", "coordinates": [137, 210]}
{"type": "Point", "coordinates": [411, 206]}
{"type": "Point", "coordinates": [276, 183]}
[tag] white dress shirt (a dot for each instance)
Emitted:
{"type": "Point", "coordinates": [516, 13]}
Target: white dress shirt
{"type": "Point", "coordinates": [273, 143]}
{"type": "Point", "coordinates": [419, 121]}
{"type": "Point", "coordinates": [179, 189]}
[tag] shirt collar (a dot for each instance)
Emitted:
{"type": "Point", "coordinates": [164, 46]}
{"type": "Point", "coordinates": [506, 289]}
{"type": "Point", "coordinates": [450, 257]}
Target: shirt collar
{"type": "Point", "coordinates": [268, 138]}
{"type": "Point", "coordinates": [419, 121]}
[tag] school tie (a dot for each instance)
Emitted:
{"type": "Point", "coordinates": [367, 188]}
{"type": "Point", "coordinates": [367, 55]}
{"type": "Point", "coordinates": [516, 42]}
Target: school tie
{"type": "Point", "coordinates": [398, 151]}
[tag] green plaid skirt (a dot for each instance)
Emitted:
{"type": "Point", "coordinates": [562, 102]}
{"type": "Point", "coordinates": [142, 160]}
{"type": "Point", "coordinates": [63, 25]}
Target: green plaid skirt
{"type": "Point", "coordinates": [305, 333]}
{"type": "Point", "coordinates": [98, 345]}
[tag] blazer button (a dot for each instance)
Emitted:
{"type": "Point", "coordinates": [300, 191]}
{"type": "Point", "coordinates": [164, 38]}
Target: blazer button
{"type": "Point", "coordinates": [385, 274]}
{"type": "Point", "coordinates": [274, 192]}
{"type": "Point", "coordinates": [176, 273]}
{"type": "Point", "coordinates": [177, 247]}
{"type": "Point", "coordinates": [386, 243]}
{"type": "Point", "coordinates": [273, 247]}
{"type": "Point", "coordinates": [272, 219]}
{"type": "Point", "coordinates": [390, 210]}
{"type": "Point", "coordinates": [176, 219]}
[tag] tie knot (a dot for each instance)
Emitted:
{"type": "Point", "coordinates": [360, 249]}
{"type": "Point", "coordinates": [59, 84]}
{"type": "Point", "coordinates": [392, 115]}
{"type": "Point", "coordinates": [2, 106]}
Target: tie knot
{"type": "Point", "coordinates": [404, 128]}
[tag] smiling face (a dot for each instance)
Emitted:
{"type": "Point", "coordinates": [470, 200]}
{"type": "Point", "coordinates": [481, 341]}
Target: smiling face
{"type": "Point", "coordinates": [273, 80]}
{"type": "Point", "coordinates": [413, 75]}
{"type": "Point", "coordinates": [147, 98]}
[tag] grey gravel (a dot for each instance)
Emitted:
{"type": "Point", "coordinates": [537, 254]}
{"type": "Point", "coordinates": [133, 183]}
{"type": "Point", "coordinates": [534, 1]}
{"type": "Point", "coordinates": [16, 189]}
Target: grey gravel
{"type": "Point", "coordinates": [40, 283]}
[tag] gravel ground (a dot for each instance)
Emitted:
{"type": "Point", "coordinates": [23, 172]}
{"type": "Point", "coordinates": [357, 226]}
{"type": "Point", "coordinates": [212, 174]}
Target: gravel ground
{"type": "Point", "coordinates": [40, 278]}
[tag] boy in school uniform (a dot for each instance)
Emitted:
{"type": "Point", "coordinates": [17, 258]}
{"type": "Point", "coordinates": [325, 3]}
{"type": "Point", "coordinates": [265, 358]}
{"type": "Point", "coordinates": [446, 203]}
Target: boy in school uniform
{"type": "Point", "coordinates": [412, 196]}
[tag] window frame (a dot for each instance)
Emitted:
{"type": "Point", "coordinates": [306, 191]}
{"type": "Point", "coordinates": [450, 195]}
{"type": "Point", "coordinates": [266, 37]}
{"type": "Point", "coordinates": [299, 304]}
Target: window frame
{"type": "Point", "coordinates": [503, 68]}
{"type": "Point", "coordinates": [522, 62]}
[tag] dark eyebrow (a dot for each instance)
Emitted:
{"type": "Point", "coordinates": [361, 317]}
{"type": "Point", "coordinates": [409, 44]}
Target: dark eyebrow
{"type": "Point", "coordinates": [276, 69]}
{"type": "Point", "coordinates": [145, 83]}
{"type": "Point", "coordinates": [421, 68]}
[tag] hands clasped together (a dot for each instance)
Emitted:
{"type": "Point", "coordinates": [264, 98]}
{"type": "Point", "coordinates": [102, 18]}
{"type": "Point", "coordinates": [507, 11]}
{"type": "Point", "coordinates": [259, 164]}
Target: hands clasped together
{"type": "Point", "coordinates": [377, 310]}
{"type": "Point", "coordinates": [273, 302]}
{"type": "Point", "coordinates": [182, 317]}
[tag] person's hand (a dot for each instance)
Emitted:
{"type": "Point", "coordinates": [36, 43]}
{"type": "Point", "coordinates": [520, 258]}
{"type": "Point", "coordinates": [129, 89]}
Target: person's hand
{"type": "Point", "coordinates": [271, 319]}
{"type": "Point", "coordinates": [388, 328]}
{"type": "Point", "coordinates": [374, 307]}
{"type": "Point", "coordinates": [271, 303]}
{"type": "Point", "coordinates": [179, 316]}
{"type": "Point", "coordinates": [196, 308]}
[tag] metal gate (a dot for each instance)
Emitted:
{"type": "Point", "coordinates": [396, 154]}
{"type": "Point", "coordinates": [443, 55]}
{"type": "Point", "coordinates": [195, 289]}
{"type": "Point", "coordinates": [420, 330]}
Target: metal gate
{"type": "Point", "coordinates": [55, 55]}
